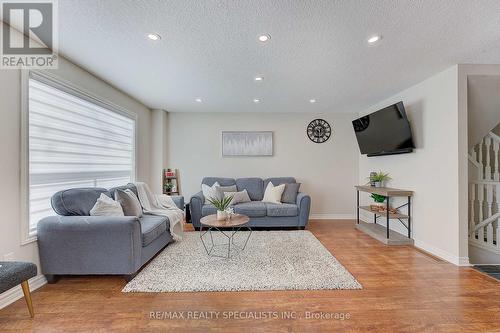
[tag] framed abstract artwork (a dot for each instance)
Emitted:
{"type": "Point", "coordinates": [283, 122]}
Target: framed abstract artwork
{"type": "Point", "coordinates": [247, 143]}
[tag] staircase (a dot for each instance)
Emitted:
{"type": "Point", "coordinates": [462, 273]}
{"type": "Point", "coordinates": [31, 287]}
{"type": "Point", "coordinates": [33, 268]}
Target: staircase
{"type": "Point", "coordinates": [484, 202]}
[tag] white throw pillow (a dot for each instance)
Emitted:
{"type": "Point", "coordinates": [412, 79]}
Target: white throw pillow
{"type": "Point", "coordinates": [210, 192]}
{"type": "Point", "coordinates": [273, 193]}
{"type": "Point", "coordinates": [105, 206]}
{"type": "Point", "coordinates": [238, 197]}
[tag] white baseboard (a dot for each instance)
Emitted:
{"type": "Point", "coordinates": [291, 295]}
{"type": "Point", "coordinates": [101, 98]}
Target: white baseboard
{"type": "Point", "coordinates": [455, 260]}
{"type": "Point", "coordinates": [12, 295]}
{"type": "Point", "coordinates": [332, 217]}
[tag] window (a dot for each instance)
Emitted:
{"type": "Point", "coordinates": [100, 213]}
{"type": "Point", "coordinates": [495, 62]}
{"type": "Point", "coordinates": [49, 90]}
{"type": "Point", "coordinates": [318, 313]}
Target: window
{"type": "Point", "coordinates": [73, 141]}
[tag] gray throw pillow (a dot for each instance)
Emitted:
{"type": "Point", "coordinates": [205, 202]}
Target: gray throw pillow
{"type": "Point", "coordinates": [130, 203]}
{"type": "Point", "coordinates": [238, 197]}
{"type": "Point", "coordinates": [221, 189]}
{"type": "Point", "coordinates": [290, 193]}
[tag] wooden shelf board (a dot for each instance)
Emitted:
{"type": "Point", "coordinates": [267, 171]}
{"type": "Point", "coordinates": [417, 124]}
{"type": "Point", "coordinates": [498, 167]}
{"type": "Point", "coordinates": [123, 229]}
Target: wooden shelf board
{"type": "Point", "coordinates": [385, 191]}
{"type": "Point", "coordinates": [391, 216]}
{"type": "Point", "coordinates": [378, 232]}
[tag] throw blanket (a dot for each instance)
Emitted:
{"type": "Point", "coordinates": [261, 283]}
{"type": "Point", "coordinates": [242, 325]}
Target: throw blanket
{"type": "Point", "coordinates": [161, 205]}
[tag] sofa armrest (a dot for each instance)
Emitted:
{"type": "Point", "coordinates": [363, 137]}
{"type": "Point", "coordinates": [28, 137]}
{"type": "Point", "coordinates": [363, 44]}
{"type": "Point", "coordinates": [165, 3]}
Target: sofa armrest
{"type": "Point", "coordinates": [178, 200]}
{"type": "Point", "coordinates": [89, 244]}
{"type": "Point", "coordinates": [195, 205]}
{"type": "Point", "coordinates": [304, 204]}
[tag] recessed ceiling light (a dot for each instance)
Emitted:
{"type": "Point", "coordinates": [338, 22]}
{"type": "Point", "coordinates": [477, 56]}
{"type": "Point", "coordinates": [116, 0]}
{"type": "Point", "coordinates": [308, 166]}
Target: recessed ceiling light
{"type": "Point", "coordinates": [312, 100]}
{"type": "Point", "coordinates": [198, 100]}
{"type": "Point", "coordinates": [256, 100]}
{"type": "Point", "coordinates": [264, 38]}
{"type": "Point", "coordinates": [153, 36]}
{"type": "Point", "coordinates": [373, 39]}
{"type": "Point", "coordinates": [258, 78]}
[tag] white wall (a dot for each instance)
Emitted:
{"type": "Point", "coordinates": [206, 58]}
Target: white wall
{"type": "Point", "coordinates": [432, 171]}
{"type": "Point", "coordinates": [159, 148]}
{"type": "Point", "coordinates": [483, 105]}
{"type": "Point", "coordinates": [327, 171]}
{"type": "Point", "coordinates": [10, 142]}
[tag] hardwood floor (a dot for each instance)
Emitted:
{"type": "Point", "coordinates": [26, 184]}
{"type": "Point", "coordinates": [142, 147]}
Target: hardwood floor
{"type": "Point", "coordinates": [405, 290]}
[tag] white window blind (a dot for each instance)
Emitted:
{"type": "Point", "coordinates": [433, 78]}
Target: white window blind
{"type": "Point", "coordinates": [73, 143]}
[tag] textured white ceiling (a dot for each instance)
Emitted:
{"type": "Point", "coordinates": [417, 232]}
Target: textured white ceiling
{"type": "Point", "coordinates": [318, 49]}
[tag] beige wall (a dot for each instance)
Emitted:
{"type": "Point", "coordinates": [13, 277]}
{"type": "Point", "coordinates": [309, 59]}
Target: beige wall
{"type": "Point", "coordinates": [10, 141]}
{"type": "Point", "coordinates": [432, 170]}
{"type": "Point", "coordinates": [327, 171]}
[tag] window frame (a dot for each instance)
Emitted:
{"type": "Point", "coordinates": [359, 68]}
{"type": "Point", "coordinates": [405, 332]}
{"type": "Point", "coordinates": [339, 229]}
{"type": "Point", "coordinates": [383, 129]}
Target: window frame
{"type": "Point", "coordinates": [72, 89]}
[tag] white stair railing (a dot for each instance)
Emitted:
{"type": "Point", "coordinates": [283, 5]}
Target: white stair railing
{"type": "Point", "coordinates": [485, 156]}
{"type": "Point", "coordinates": [484, 214]}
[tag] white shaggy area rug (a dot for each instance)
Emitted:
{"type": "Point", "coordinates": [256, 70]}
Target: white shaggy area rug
{"type": "Point", "coordinates": [272, 260]}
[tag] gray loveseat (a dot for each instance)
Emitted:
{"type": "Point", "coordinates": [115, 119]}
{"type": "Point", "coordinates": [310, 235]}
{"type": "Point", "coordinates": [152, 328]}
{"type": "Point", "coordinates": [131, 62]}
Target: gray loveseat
{"type": "Point", "coordinates": [262, 214]}
{"type": "Point", "coordinates": [75, 243]}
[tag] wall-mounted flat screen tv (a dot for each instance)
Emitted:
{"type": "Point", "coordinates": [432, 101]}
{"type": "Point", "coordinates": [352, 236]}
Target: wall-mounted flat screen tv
{"type": "Point", "coordinates": [384, 132]}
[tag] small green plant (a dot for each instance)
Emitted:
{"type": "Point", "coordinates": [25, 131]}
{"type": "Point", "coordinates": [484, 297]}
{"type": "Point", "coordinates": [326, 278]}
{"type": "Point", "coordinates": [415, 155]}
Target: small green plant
{"type": "Point", "coordinates": [378, 198]}
{"type": "Point", "coordinates": [169, 186]}
{"type": "Point", "coordinates": [380, 177]}
{"type": "Point", "coordinates": [221, 204]}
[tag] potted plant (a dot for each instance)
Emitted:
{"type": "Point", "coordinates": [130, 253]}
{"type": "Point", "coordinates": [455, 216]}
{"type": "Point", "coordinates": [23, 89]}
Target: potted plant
{"type": "Point", "coordinates": [379, 202]}
{"type": "Point", "coordinates": [168, 187]}
{"type": "Point", "coordinates": [221, 205]}
{"type": "Point", "coordinates": [380, 178]}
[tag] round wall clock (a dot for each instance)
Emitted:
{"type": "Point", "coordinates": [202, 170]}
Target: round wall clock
{"type": "Point", "coordinates": [319, 130]}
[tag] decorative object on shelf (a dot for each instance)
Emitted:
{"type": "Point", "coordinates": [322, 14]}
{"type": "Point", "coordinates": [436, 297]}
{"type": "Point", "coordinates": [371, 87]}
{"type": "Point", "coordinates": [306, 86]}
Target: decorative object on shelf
{"type": "Point", "coordinates": [379, 202]}
{"type": "Point", "coordinates": [171, 182]}
{"type": "Point", "coordinates": [372, 175]}
{"type": "Point", "coordinates": [221, 205]}
{"type": "Point", "coordinates": [250, 143]}
{"type": "Point", "coordinates": [319, 131]}
{"type": "Point", "coordinates": [378, 179]}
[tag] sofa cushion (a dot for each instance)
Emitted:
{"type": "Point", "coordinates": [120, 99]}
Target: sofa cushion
{"type": "Point", "coordinates": [76, 201]}
{"type": "Point", "coordinates": [222, 181]}
{"type": "Point", "coordinates": [105, 206]}
{"type": "Point", "coordinates": [237, 197]}
{"type": "Point", "coordinates": [251, 209]}
{"type": "Point", "coordinates": [129, 186]}
{"type": "Point", "coordinates": [254, 187]}
{"type": "Point", "coordinates": [281, 210]}
{"type": "Point", "coordinates": [290, 193]}
{"type": "Point", "coordinates": [129, 202]}
{"type": "Point", "coordinates": [152, 227]}
{"type": "Point", "coordinates": [208, 209]}
{"type": "Point", "coordinates": [273, 193]}
{"type": "Point", "coordinates": [279, 180]}
{"type": "Point", "coordinates": [216, 191]}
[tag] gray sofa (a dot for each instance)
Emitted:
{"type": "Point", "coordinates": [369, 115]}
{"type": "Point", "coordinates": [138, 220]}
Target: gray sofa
{"type": "Point", "coordinates": [262, 214]}
{"type": "Point", "coordinates": [75, 243]}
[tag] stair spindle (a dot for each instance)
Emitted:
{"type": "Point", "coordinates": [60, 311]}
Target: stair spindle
{"type": "Point", "coordinates": [480, 158]}
{"type": "Point", "coordinates": [487, 165]}
{"type": "Point", "coordinates": [472, 202]}
{"type": "Point", "coordinates": [496, 167]}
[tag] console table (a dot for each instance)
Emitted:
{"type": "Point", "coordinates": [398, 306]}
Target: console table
{"type": "Point", "coordinates": [377, 231]}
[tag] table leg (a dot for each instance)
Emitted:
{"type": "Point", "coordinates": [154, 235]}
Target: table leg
{"type": "Point", "coordinates": [387, 211]}
{"type": "Point", "coordinates": [409, 217]}
{"type": "Point", "coordinates": [357, 205]}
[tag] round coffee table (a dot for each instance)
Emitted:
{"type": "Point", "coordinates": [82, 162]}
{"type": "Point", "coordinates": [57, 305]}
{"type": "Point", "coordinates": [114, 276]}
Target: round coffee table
{"type": "Point", "coordinates": [229, 228]}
